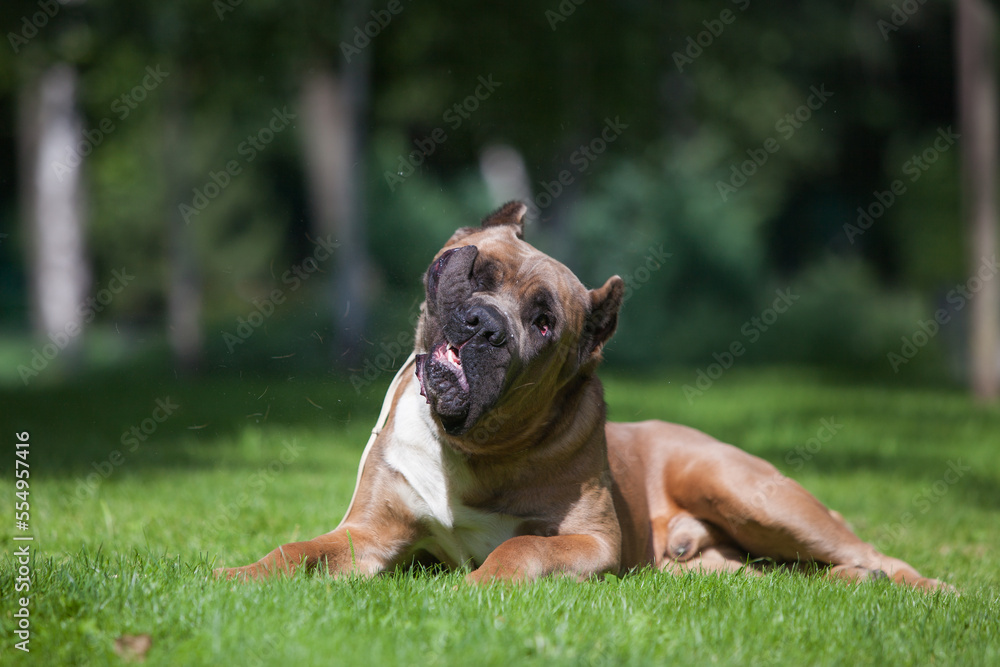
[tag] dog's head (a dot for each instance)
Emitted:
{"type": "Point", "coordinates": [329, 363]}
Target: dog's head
{"type": "Point", "coordinates": [506, 329]}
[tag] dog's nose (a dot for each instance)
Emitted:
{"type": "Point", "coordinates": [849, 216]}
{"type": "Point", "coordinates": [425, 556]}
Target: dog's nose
{"type": "Point", "coordinates": [488, 323]}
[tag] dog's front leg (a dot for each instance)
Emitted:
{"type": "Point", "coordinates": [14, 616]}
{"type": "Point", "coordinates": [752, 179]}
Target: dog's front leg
{"type": "Point", "coordinates": [349, 550]}
{"type": "Point", "coordinates": [529, 557]}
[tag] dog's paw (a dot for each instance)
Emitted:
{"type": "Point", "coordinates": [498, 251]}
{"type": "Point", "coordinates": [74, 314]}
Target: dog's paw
{"type": "Point", "coordinates": [934, 585]}
{"type": "Point", "coordinates": [484, 576]}
{"type": "Point", "coordinates": [479, 578]}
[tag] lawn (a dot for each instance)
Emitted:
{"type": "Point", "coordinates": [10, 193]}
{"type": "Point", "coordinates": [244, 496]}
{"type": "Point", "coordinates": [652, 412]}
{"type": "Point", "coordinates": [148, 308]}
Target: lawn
{"type": "Point", "coordinates": [223, 469]}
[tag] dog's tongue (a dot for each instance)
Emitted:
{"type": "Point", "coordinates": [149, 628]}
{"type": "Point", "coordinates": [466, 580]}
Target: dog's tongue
{"type": "Point", "coordinates": [447, 355]}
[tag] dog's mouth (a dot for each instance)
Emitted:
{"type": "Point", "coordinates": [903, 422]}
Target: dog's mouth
{"type": "Point", "coordinates": [450, 357]}
{"type": "Point", "coordinates": [444, 384]}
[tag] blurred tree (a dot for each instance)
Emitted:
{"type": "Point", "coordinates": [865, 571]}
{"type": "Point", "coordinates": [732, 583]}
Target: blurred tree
{"type": "Point", "coordinates": [334, 105]}
{"type": "Point", "coordinates": [185, 295]}
{"type": "Point", "coordinates": [696, 90]}
{"type": "Point", "coordinates": [976, 42]}
{"type": "Point", "coordinates": [184, 291]}
{"type": "Point", "coordinates": [51, 131]}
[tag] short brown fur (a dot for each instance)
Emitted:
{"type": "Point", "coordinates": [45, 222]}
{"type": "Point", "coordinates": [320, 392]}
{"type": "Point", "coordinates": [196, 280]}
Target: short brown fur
{"type": "Point", "coordinates": [554, 487]}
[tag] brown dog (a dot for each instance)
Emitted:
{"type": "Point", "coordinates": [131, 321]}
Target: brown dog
{"type": "Point", "coordinates": [492, 449]}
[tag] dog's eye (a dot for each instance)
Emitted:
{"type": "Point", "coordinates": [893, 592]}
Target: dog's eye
{"type": "Point", "coordinates": [544, 324]}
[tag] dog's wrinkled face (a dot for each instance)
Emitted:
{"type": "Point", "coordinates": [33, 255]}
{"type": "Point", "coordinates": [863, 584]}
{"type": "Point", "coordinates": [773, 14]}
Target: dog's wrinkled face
{"type": "Point", "coordinates": [505, 327]}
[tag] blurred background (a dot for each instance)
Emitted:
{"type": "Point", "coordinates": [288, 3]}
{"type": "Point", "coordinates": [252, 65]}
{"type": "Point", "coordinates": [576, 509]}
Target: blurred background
{"type": "Point", "coordinates": [259, 186]}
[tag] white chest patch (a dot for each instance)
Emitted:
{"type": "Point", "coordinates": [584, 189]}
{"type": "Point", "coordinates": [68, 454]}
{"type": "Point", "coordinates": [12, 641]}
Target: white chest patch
{"type": "Point", "coordinates": [437, 477]}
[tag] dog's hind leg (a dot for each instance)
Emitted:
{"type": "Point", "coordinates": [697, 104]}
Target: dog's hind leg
{"type": "Point", "coordinates": [767, 514]}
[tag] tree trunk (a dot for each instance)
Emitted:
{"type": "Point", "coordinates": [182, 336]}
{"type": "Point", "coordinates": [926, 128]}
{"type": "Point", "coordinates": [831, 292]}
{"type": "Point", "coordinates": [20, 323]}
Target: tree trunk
{"type": "Point", "coordinates": [51, 136]}
{"type": "Point", "coordinates": [184, 294]}
{"type": "Point", "coordinates": [506, 175]}
{"type": "Point", "coordinates": [977, 99]}
{"type": "Point", "coordinates": [332, 110]}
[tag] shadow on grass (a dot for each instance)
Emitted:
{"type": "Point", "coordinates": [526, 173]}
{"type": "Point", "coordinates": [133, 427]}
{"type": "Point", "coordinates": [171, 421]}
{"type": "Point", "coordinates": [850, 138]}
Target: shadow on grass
{"type": "Point", "coordinates": [169, 419]}
{"type": "Point", "coordinates": [82, 422]}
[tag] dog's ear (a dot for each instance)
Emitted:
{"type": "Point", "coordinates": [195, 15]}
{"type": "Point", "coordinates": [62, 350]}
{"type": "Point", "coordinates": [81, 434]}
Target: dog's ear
{"type": "Point", "coordinates": [602, 318]}
{"type": "Point", "coordinates": [460, 234]}
{"type": "Point", "coordinates": [511, 213]}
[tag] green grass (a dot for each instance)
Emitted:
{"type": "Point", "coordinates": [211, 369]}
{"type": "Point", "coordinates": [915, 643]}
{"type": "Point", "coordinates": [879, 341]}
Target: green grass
{"type": "Point", "coordinates": [132, 554]}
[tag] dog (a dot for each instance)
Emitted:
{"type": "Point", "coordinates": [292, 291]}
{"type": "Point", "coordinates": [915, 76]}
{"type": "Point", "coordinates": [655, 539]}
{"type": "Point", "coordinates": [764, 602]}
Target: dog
{"type": "Point", "coordinates": [492, 450]}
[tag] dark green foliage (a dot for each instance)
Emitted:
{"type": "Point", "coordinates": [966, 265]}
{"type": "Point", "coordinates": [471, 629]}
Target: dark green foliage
{"type": "Point", "coordinates": [561, 76]}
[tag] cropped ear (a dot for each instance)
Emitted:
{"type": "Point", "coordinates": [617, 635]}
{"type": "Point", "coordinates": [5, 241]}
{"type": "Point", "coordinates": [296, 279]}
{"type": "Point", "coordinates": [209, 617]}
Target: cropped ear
{"type": "Point", "coordinates": [511, 213]}
{"type": "Point", "coordinates": [602, 319]}
{"type": "Point", "coordinates": [460, 234]}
